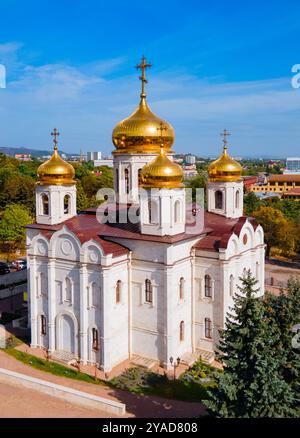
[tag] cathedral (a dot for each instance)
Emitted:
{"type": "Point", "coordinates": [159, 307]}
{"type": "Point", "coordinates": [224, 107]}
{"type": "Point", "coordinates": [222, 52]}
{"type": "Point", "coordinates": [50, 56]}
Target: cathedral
{"type": "Point", "coordinates": [105, 288]}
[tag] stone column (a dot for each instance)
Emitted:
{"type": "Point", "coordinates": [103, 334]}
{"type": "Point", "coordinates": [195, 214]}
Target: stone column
{"type": "Point", "coordinates": [33, 301]}
{"type": "Point", "coordinates": [51, 305]}
{"type": "Point", "coordinates": [83, 314]}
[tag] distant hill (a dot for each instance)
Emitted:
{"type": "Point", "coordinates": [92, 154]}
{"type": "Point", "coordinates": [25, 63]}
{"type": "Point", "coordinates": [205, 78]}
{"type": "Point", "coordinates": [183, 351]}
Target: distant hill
{"type": "Point", "coordinates": [33, 152]}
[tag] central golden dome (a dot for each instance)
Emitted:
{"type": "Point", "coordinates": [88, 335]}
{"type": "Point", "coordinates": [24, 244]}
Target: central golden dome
{"type": "Point", "coordinates": [56, 171]}
{"type": "Point", "coordinates": [142, 132]}
{"type": "Point", "coordinates": [162, 173]}
{"type": "Point", "coordinates": [225, 169]}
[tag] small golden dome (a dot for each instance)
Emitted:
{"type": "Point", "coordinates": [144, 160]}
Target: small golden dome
{"type": "Point", "coordinates": [142, 132]}
{"type": "Point", "coordinates": [225, 169]}
{"type": "Point", "coordinates": [56, 171]}
{"type": "Point", "coordinates": [162, 173]}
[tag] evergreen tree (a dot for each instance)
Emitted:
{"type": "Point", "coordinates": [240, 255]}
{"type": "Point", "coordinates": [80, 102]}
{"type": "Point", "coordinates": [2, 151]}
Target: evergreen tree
{"type": "Point", "coordinates": [284, 311]}
{"type": "Point", "coordinates": [251, 384]}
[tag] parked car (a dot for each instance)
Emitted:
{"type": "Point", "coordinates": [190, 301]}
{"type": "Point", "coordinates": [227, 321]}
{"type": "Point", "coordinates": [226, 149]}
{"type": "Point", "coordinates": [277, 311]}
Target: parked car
{"type": "Point", "coordinates": [19, 264]}
{"type": "Point", "coordinates": [4, 268]}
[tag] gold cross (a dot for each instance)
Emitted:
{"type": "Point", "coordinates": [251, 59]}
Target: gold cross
{"type": "Point", "coordinates": [225, 134]}
{"type": "Point", "coordinates": [162, 128]}
{"type": "Point", "coordinates": [55, 134]}
{"type": "Point", "coordinates": [143, 67]}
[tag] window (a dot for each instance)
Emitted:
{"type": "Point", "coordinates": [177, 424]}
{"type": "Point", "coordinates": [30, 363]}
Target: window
{"type": "Point", "coordinates": [231, 285]}
{"type": "Point", "coordinates": [148, 291]}
{"type": "Point", "coordinates": [181, 331]}
{"type": "Point", "coordinates": [139, 177]}
{"type": "Point", "coordinates": [118, 291]}
{"type": "Point", "coordinates": [126, 174]}
{"type": "Point", "coordinates": [181, 288]}
{"type": "Point", "coordinates": [177, 211]}
{"type": "Point", "coordinates": [237, 199]}
{"type": "Point", "coordinates": [207, 286]}
{"type": "Point", "coordinates": [68, 290]}
{"type": "Point", "coordinates": [45, 204]}
{"type": "Point", "coordinates": [67, 204]}
{"type": "Point", "coordinates": [208, 328]}
{"type": "Point", "coordinates": [44, 284]}
{"type": "Point", "coordinates": [117, 180]}
{"type": "Point", "coordinates": [218, 200]}
{"type": "Point", "coordinates": [95, 295]}
{"type": "Point", "coordinates": [152, 209]}
{"type": "Point", "coordinates": [43, 325]}
{"type": "Point", "coordinates": [95, 338]}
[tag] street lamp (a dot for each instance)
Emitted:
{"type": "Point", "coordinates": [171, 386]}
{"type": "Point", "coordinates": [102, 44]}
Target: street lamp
{"type": "Point", "coordinates": [175, 364]}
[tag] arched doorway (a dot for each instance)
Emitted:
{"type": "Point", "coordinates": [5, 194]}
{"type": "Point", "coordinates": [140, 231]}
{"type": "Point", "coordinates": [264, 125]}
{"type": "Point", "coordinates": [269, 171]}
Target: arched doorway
{"type": "Point", "coordinates": [66, 334]}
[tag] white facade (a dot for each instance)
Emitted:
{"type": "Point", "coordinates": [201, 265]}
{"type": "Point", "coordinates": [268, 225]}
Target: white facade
{"type": "Point", "coordinates": [225, 198]}
{"type": "Point", "coordinates": [92, 156]}
{"type": "Point", "coordinates": [55, 203]}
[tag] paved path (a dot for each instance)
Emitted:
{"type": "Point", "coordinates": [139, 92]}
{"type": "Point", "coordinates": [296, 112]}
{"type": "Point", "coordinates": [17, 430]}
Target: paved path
{"type": "Point", "coordinates": [136, 406]}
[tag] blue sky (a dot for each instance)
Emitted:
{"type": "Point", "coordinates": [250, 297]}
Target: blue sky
{"type": "Point", "coordinates": [223, 64]}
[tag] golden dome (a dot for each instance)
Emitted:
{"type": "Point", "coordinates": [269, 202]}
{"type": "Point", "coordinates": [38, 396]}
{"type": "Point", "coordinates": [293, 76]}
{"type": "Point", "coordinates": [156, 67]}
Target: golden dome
{"type": "Point", "coordinates": [142, 132]}
{"type": "Point", "coordinates": [56, 171]}
{"type": "Point", "coordinates": [162, 173]}
{"type": "Point", "coordinates": [225, 169]}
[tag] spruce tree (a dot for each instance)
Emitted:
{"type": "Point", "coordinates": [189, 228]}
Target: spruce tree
{"type": "Point", "coordinates": [251, 384]}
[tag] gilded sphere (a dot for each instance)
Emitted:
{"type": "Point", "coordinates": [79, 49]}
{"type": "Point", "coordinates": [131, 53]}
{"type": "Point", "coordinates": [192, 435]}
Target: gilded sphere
{"type": "Point", "coordinates": [162, 173]}
{"type": "Point", "coordinates": [225, 169]}
{"type": "Point", "coordinates": [56, 171]}
{"type": "Point", "coordinates": [142, 132]}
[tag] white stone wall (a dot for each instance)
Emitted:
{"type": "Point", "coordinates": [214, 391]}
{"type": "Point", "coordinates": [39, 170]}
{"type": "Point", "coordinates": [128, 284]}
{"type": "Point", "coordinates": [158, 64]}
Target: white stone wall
{"type": "Point", "coordinates": [230, 191]}
{"type": "Point", "coordinates": [56, 196]}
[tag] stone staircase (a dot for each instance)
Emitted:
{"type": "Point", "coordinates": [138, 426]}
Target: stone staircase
{"type": "Point", "coordinates": [189, 358]}
{"type": "Point", "coordinates": [144, 362]}
{"type": "Point", "coordinates": [206, 356]}
{"type": "Point", "coordinates": [64, 357]}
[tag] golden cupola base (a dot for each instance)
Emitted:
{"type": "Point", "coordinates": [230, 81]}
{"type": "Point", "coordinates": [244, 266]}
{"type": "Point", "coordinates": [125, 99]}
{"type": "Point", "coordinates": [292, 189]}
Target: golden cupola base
{"type": "Point", "coordinates": [162, 173]}
{"type": "Point", "coordinates": [225, 168]}
{"type": "Point", "coordinates": [142, 132]}
{"type": "Point", "coordinates": [56, 171]}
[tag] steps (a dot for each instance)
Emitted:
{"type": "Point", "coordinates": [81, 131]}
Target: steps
{"type": "Point", "coordinates": [206, 356]}
{"type": "Point", "coordinates": [143, 362]}
{"type": "Point", "coordinates": [63, 356]}
{"type": "Point", "coordinates": [189, 358]}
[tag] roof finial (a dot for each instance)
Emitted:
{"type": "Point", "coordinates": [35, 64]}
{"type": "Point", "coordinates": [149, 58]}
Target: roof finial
{"type": "Point", "coordinates": [55, 134]}
{"type": "Point", "coordinates": [162, 128]}
{"type": "Point", "coordinates": [225, 134]}
{"type": "Point", "coordinates": [143, 67]}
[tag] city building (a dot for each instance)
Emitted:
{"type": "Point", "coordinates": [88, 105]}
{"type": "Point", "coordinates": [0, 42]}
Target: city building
{"type": "Point", "coordinates": [23, 157]}
{"type": "Point", "coordinates": [144, 276]}
{"type": "Point", "coordinates": [190, 159]}
{"type": "Point", "coordinates": [278, 183]}
{"type": "Point", "coordinates": [92, 156]}
{"type": "Point", "coordinates": [292, 165]}
{"type": "Point", "coordinates": [104, 162]}
{"type": "Point", "coordinates": [249, 182]}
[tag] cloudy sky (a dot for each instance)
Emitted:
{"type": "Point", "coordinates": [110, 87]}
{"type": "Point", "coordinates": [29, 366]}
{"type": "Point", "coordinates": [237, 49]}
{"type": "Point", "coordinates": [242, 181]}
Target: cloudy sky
{"type": "Point", "coordinates": [228, 64]}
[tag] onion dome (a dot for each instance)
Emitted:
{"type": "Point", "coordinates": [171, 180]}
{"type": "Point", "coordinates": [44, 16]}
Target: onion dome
{"type": "Point", "coordinates": [56, 171]}
{"type": "Point", "coordinates": [225, 168]}
{"type": "Point", "coordinates": [162, 173]}
{"type": "Point", "coordinates": [141, 132]}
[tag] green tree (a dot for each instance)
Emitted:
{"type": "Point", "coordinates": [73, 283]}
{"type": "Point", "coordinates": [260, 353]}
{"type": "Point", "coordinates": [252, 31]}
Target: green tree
{"type": "Point", "coordinates": [251, 384]}
{"type": "Point", "coordinates": [284, 312]}
{"type": "Point", "coordinates": [251, 203]}
{"type": "Point", "coordinates": [278, 231]}
{"type": "Point", "coordinates": [82, 199]}
{"type": "Point", "coordinates": [12, 231]}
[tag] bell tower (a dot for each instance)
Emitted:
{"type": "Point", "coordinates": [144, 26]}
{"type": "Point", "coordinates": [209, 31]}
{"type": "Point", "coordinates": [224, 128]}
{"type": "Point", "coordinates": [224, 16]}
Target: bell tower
{"type": "Point", "coordinates": [55, 189]}
{"type": "Point", "coordinates": [225, 185]}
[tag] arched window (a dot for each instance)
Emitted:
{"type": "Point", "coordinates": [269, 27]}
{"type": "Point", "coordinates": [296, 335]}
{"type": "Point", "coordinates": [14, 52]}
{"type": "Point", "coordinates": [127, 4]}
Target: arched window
{"type": "Point", "coordinates": [218, 200]}
{"type": "Point", "coordinates": [43, 284]}
{"type": "Point", "coordinates": [177, 211]}
{"type": "Point", "coordinates": [95, 295]}
{"type": "Point", "coordinates": [126, 174]}
{"type": "Point", "coordinates": [181, 288]}
{"type": "Point", "coordinates": [208, 328]}
{"type": "Point", "coordinates": [207, 286]}
{"type": "Point", "coordinates": [45, 204]}
{"type": "Point", "coordinates": [181, 331]}
{"type": "Point", "coordinates": [152, 209]}
{"type": "Point", "coordinates": [43, 325]}
{"type": "Point", "coordinates": [237, 199]}
{"type": "Point", "coordinates": [95, 339]}
{"type": "Point", "coordinates": [68, 290]}
{"type": "Point", "coordinates": [148, 291]}
{"type": "Point", "coordinates": [67, 204]}
{"type": "Point", "coordinates": [139, 177]}
{"type": "Point", "coordinates": [118, 291]}
{"type": "Point", "coordinates": [231, 285]}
